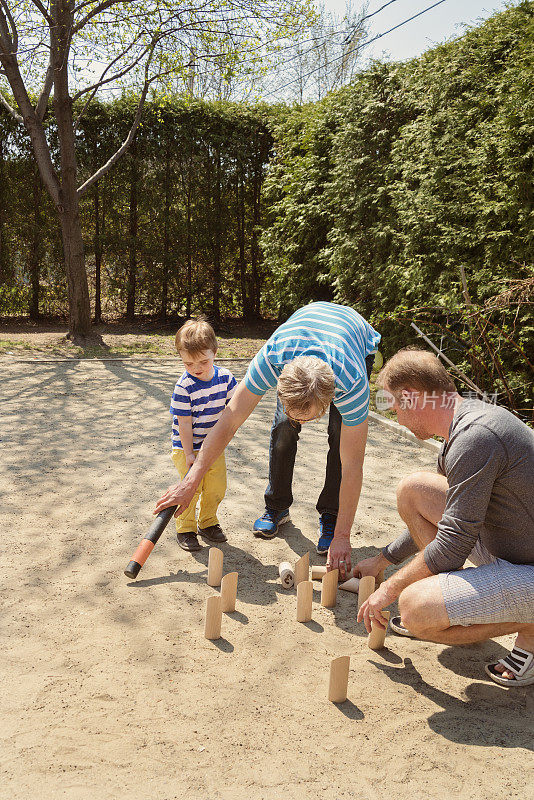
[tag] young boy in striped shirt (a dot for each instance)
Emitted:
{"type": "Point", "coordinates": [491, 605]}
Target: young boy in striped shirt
{"type": "Point", "coordinates": [199, 398]}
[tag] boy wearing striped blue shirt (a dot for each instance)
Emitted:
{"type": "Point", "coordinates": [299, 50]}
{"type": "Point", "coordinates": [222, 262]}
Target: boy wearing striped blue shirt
{"type": "Point", "coordinates": [199, 398]}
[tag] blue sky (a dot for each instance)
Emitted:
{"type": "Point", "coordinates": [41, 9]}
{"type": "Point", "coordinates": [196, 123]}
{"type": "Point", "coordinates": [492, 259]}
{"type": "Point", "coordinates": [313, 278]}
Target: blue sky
{"type": "Point", "coordinates": [442, 23]}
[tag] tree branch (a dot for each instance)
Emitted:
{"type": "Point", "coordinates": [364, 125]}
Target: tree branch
{"type": "Point", "coordinates": [93, 13]}
{"type": "Point", "coordinates": [10, 110]}
{"type": "Point", "coordinates": [42, 102]}
{"type": "Point", "coordinates": [14, 35]}
{"type": "Point", "coordinates": [42, 9]}
{"type": "Point", "coordinates": [131, 134]}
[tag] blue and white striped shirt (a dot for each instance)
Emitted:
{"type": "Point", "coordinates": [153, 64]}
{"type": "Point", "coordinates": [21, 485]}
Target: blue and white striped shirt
{"type": "Point", "coordinates": [337, 335]}
{"type": "Point", "coordinates": [203, 401]}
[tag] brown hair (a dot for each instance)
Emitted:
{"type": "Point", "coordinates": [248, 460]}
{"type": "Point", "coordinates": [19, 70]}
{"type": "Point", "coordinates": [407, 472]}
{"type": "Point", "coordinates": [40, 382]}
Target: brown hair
{"type": "Point", "coordinates": [195, 336]}
{"type": "Point", "coordinates": [306, 382]}
{"type": "Point", "coordinates": [416, 369]}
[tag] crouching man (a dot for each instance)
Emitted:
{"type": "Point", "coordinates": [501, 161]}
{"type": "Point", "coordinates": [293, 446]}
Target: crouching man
{"type": "Point", "coordinates": [478, 506]}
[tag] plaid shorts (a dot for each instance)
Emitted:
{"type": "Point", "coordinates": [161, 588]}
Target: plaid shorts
{"type": "Point", "coordinates": [493, 591]}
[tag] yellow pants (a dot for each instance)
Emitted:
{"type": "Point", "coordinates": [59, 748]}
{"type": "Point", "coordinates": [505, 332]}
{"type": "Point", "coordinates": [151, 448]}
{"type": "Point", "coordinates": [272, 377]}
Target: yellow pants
{"type": "Point", "coordinates": [211, 491]}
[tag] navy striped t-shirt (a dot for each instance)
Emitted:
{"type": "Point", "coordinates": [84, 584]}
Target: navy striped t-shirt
{"type": "Point", "coordinates": [337, 335]}
{"type": "Point", "coordinates": [203, 401]}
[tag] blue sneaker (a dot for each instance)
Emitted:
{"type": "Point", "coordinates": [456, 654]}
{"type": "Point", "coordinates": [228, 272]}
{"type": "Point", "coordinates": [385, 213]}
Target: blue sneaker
{"type": "Point", "coordinates": [327, 524]}
{"type": "Point", "coordinates": [267, 525]}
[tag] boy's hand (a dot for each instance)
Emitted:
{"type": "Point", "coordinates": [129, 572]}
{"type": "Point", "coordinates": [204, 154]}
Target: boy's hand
{"type": "Point", "coordinates": [190, 459]}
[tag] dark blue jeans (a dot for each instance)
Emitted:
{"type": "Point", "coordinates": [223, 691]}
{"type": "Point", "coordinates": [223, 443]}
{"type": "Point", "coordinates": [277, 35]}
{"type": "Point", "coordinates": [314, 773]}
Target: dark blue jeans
{"type": "Point", "coordinates": [282, 452]}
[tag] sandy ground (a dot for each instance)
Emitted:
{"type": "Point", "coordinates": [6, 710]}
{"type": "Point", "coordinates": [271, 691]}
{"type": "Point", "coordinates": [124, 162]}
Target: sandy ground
{"type": "Point", "coordinates": [110, 689]}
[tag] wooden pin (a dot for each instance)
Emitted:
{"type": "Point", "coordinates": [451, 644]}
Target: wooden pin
{"type": "Point", "coordinates": [366, 589]}
{"type": "Point", "coordinates": [287, 576]}
{"type": "Point", "coordinates": [339, 679]}
{"type": "Point", "coordinates": [329, 589]}
{"type": "Point", "coordinates": [212, 628]}
{"type": "Point", "coordinates": [302, 569]}
{"type": "Point", "coordinates": [377, 637]}
{"type": "Point", "coordinates": [318, 573]}
{"type": "Point", "coordinates": [304, 601]}
{"type": "Point", "coordinates": [215, 566]}
{"type": "Point", "coordinates": [352, 585]}
{"type": "Point", "coordinates": [229, 592]}
{"type": "Point", "coordinates": [379, 578]}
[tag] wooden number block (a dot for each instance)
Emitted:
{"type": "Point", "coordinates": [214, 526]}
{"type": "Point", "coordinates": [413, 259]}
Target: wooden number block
{"type": "Point", "coordinates": [329, 589]}
{"type": "Point", "coordinates": [366, 589]}
{"type": "Point", "coordinates": [212, 629]}
{"type": "Point", "coordinates": [339, 679]}
{"type": "Point", "coordinates": [302, 569]}
{"type": "Point", "coordinates": [377, 637]}
{"type": "Point", "coordinates": [229, 592]}
{"type": "Point", "coordinates": [215, 566]}
{"type": "Point", "coordinates": [287, 576]}
{"type": "Point", "coordinates": [304, 601]}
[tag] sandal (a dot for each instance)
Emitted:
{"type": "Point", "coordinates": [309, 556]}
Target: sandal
{"type": "Point", "coordinates": [396, 625]}
{"type": "Point", "coordinates": [519, 662]}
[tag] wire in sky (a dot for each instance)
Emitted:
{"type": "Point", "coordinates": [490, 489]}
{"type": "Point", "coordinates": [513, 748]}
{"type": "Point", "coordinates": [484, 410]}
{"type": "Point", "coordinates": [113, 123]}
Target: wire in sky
{"type": "Point", "coordinates": [365, 44]}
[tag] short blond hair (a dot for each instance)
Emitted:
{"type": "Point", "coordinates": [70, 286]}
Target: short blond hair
{"type": "Point", "coordinates": [416, 369]}
{"type": "Point", "coordinates": [195, 336]}
{"type": "Point", "coordinates": [305, 383]}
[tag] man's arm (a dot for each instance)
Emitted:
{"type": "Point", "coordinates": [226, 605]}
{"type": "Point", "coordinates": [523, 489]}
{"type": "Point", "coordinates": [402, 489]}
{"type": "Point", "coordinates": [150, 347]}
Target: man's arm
{"type": "Point", "coordinates": [352, 452]}
{"type": "Point", "coordinates": [236, 412]}
{"type": "Point", "coordinates": [391, 589]}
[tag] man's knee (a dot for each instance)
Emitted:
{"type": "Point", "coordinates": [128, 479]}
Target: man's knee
{"type": "Point", "coordinates": [422, 608]}
{"type": "Point", "coordinates": [409, 489]}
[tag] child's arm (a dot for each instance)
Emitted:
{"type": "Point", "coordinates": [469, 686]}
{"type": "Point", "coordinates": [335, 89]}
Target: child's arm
{"type": "Point", "coordinates": [185, 427]}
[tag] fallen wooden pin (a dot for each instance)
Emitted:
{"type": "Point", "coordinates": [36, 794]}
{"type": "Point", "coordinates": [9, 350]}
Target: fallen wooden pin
{"type": "Point", "coordinates": [287, 576]}
{"type": "Point", "coordinates": [349, 585]}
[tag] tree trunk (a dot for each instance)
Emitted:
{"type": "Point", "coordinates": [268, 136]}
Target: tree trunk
{"type": "Point", "coordinates": [35, 252]}
{"type": "Point", "coordinates": [68, 207]}
{"type": "Point", "coordinates": [98, 255]}
{"type": "Point", "coordinates": [216, 294]}
{"type": "Point", "coordinates": [133, 226]}
{"type": "Point", "coordinates": [255, 254]}
{"type": "Point", "coordinates": [240, 197]}
{"type": "Point", "coordinates": [3, 208]}
{"type": "Point", "coordinates": [166, 236]}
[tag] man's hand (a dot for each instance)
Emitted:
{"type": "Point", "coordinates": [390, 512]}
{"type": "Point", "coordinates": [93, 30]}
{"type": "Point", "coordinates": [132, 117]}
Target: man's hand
{"type": "Point", "coordinates": [371, 609]}
{"type": "Point", "coordinates": [179, 495]}
{"type": "Point", "coordinates": [371, 566]}
{"type": "Point", "coordinates": [339, 556]}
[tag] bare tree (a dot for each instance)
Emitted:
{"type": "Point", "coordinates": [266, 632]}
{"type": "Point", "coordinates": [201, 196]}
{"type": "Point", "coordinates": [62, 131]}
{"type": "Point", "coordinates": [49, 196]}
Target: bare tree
{"type": "Point", "coordinates": [72, 49]}
{"type": "Point", "coordinates": [324, 60]}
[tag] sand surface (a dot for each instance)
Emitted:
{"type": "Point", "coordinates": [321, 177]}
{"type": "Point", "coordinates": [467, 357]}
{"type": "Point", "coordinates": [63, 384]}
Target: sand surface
{"type": "Point", "coordinates": [110, 689]}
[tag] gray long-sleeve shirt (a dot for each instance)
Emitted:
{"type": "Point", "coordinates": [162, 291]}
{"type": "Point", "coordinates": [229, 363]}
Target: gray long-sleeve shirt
{"type": "Point", "coordinates": [489, 465]}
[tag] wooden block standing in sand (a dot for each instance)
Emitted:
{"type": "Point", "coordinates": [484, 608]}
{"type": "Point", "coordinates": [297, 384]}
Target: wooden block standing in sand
{"type": "Point", "coordinates": [380, 578]}
{"type": "Point", "coordinates": [215, 566]}
{"type": "Point", "coordinates": [366, 589]}
{"type": "Point", "coordinates": [229, 592]}
{"type": "Point", "coordinates": [339, 679]}
{"type": "Point", "coordinates": [329, 589]}
{"type": "Point", "coordinates": [302, 569]}
{"type": "Point", "coordinates": [212, 629]}
{"type": "Point", "coordinates": [304, 601]}
{"type": "Point", "coordinates": [377, 637]}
